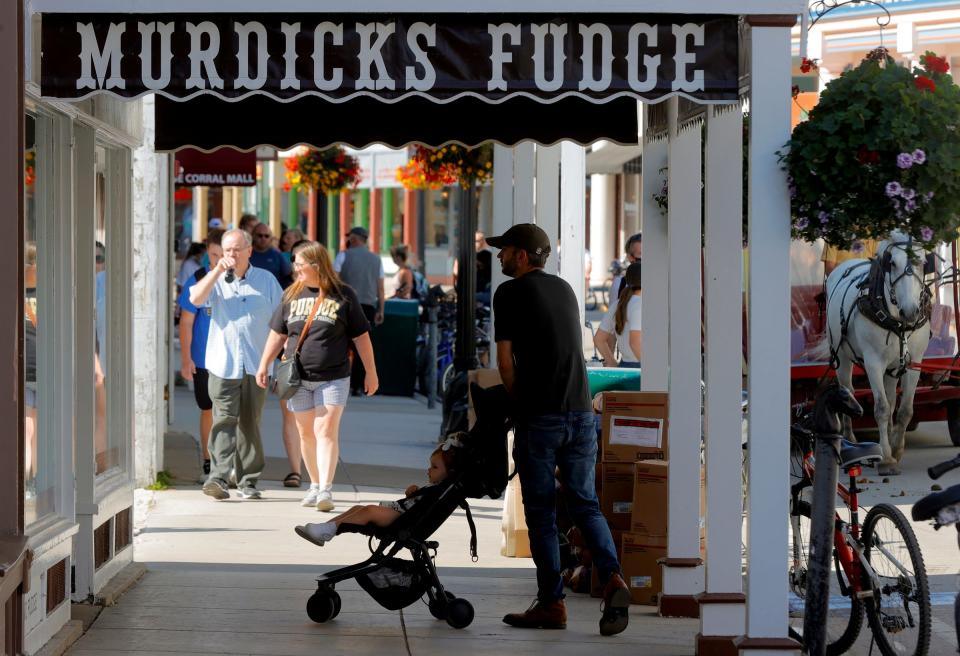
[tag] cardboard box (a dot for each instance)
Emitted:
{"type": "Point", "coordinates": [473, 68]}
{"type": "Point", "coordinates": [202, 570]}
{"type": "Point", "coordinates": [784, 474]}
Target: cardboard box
{"type": "Point", "coordinates": [634, 427]}
{"type": "Point", "coordinates": [596, 590]}
{"type": "Point", "coordinates": [641, 570]}
{"type": "Point", "coordinates": [616, 493]}
{"type": "Point", "coordinates": [650, 498]}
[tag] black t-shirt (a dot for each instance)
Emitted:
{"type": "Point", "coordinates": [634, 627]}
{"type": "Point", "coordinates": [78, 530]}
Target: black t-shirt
{"type": "Point", "coordinates": [538, 314]}
{"type": "Point", "coordinates": [484, 270]}
{"type": "Point", "coordinates": [323, 355]}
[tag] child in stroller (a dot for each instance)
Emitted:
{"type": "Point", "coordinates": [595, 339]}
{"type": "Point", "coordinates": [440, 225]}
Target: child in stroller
{"type": "Point", "coordinates": [473, 465]}
{"type": "Point", "coordinates": [443, 462]}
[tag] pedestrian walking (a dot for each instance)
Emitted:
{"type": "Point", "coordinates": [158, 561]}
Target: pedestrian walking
{"type": "Point", "coordinates": [194, 328]}
{"type": "Point", "coordinates": [620, 326]}
{"type": "Point", "coordinates": [632, 253]}
{"type": "Point", "coordinates": [363, 271]}
{"type": "Point", "coordinates": [540, 358]}
{"type": "Point", "coordinates": [242, 298]}
{"type": "Point", "coordinates": [322, 316]}
{"type": "Point", "coordinates": [265, 256]}
{"type": "Point", "coordinates": [403, 282]}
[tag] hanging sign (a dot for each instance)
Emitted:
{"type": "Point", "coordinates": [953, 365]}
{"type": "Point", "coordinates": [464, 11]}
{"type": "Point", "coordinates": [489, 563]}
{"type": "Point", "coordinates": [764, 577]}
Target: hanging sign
{"type": "Point", "coordinates": [442, 57]}
{"type": "Point", "coordinates": [224, 167]}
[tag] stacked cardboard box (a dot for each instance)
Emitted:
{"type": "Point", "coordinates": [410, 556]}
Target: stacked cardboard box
{"type": "Point", "coordinates": [634, 487]}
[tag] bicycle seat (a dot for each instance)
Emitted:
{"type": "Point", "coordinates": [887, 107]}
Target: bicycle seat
{"type": "Point", "coordinates": [852, 454]}
{"type": "Point", "coordinates": [930, 506]}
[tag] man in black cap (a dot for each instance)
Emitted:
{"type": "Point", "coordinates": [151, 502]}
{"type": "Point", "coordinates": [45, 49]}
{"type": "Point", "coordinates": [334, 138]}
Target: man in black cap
{"type": "Point", "coordinates": [362, 270]}
{"type": "Point", "coordinates": [540, 358]}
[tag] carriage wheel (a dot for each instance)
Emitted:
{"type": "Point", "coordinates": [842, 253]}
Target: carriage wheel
{"type": "Point", "coordinates": [459, 613]}
{"type": "Point", "coordinates": [953, 420]}
{"type": "Point", "coordinates": [323, 605]}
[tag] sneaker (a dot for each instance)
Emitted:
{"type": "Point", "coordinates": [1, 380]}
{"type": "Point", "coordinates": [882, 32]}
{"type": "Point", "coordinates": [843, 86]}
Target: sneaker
{"type": "Point", "coordinates": [216, 488]}
{"type": "Point", "coordinates": [311, 499]}
{"type": "Point", "coordinates": [540, 615]}
{"type": "Point", "coordinates": [325, 500]}
{"type": "Point", "coordinates": [311, 534]}
{"type": "Point", "coordinates": [616, 606]}
{"type": "Point", "coordinates": [206, 467]}
{"type": "Point", "coordinates": [249, 492]}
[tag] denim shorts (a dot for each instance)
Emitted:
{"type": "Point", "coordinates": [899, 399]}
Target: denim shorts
{"type": "Point", "coordinates": [315, 394]}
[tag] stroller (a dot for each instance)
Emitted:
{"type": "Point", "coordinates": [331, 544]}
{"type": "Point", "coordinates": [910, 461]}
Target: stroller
{"type": "Point", "coordinates": [396, 583]}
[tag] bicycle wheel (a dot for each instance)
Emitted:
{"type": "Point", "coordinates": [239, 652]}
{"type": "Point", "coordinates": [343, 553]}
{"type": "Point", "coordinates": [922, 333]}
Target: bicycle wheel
{"type": "Point", "coordinates": [899, 610]}
{"type": "Point", "coordinates": [844, 623]}
{"type": "Point", "coordinates": [448, 373]}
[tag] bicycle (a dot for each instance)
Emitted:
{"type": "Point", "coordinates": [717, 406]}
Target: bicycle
{"type": "Point", "coordinates": [878, 566]}
{"type": "Point", "coordinates": [943, 509]}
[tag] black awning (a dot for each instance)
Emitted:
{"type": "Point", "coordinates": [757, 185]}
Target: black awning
{"type": "Point", "coordinates": [208, 122]}
{"type": "Point", "coordinates": [341, 57]}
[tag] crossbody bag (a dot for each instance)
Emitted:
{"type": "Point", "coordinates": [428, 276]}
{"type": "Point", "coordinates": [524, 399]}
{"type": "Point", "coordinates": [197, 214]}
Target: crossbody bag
{"type": "Point", "coordinates": [286, 373]}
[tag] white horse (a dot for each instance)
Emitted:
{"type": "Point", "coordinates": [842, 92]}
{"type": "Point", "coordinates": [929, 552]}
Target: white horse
{"type": "Point", "coordinates": [883, 333]}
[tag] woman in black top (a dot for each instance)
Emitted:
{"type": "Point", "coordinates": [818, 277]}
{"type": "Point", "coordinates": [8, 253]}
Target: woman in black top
{"type": "Point", "coordinates": [325, 367]}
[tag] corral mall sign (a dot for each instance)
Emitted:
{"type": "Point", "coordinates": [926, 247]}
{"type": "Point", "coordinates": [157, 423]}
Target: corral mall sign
{"type": "Point", "coordinates": [222, 167]}
{"type": "Point", "coordinates": [389, 57]}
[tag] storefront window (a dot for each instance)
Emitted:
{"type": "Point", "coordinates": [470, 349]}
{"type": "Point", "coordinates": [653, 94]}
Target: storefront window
{"type": "Point", "coordinates": [40, 446]}
{"type": "Point", "coordinates": [105, 443]}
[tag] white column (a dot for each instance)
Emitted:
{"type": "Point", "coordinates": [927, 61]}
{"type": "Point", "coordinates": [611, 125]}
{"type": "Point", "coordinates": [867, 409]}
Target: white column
{"type": "Point", "coordinates": [547, 210]}
{"type": "Point", "coordinates": [681, 581]}
{"type": "Point", "coordinates": [502, 219]}
{"type": "Point", "coordinates": [603, 219]}
{"type": "Point", "coordinates": [573, 210]}
{"type": "Point", "coordinates": [723, 264]}
{"type": "Point", "coordinates": [150, 286]}
{"type": "Point", "coordinates": [523, 170]}
{"type": "Point", "coordinates": [654, 322]}
{"type": "Point", "coordinates": [769, 331]}
{"type": "Point", "coordinates": [201, 214]}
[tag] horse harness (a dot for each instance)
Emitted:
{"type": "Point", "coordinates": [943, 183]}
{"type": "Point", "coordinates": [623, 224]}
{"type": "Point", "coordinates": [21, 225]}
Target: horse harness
{"type": "Point", "coordinates": [872, 304]}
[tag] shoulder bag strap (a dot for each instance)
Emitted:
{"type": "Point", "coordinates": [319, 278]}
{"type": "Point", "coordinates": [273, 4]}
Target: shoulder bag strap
{"type": "Point", "coordinates": [306, 326]}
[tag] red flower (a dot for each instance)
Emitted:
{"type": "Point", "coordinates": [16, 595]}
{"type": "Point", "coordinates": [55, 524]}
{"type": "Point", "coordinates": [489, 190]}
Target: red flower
{"type": "Point", "coordinates": [339, 158]}
{"type": "Point", "coordinates": [924, 83]}
{"type": "Point", "coordinates": [292, 164]}
{"type": "Point", "coordinates": [935, 64]}
{"type": "Point", "coordinates": [865, 156]}
{"type": "Point", "coordinates": [286, 186]}
{"type": "Point", "coordinates": [807, 65]}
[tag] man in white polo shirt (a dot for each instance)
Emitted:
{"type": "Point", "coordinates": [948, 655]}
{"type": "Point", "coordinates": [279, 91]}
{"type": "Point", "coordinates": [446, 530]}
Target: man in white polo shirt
{"type": "Point", "coordinates": [242, 299]}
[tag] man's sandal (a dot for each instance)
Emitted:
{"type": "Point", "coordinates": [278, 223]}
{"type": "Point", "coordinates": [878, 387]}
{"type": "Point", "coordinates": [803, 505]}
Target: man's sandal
{"type": "Point", "coordinates": [292, 480]}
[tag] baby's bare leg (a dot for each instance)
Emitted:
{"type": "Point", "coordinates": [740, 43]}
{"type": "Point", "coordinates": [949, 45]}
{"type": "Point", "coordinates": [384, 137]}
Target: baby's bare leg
{"type": "Point", "coordinates": [376, 515]}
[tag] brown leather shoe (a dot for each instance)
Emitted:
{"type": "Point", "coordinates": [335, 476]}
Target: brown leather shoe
{"type": "Point", "coordinates": [540, 615]}
{"type": "Point", "coordinates": [616, 606]}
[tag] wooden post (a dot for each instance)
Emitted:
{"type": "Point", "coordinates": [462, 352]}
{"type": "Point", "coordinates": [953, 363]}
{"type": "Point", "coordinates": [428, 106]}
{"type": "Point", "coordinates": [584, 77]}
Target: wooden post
{"type": "Point", "coordinates": [769, 347]}
{"type": "Point", "coordinates": [655, 274]}
{"type": "Point", "coordinates": [722, 606]}
{"type": "Point", "coordinates": [548, 198]}
{"type": "Point", "coordinates": [410, 236]}
{"type": "Point", "coordinates": [683, 568]}
{"type": "Point", "coordinates": [312, 215]}
{"type": "Point", "coordinates": [573, 217]}
{"type": "Point", "coordinates": [201, 212]}
{"type": "Point", "coordinates": [373, 220]}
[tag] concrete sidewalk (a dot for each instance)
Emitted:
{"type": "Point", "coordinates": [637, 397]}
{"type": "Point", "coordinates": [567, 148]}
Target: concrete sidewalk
{"type": "Point", "coordinates": [233, 578]}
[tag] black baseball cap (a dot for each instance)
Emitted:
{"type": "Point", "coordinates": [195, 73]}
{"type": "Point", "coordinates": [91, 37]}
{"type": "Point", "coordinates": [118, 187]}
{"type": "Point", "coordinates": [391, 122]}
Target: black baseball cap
{"type": "Point", "coordinates": [525, 236]}
{"type": "Point", "coordinates": [359, 231]}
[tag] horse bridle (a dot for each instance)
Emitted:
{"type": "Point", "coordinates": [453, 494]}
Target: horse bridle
{"type": "Point", "coordinates": [886, 264]}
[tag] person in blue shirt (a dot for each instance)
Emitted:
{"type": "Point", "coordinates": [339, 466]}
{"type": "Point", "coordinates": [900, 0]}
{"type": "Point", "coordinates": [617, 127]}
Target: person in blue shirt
{"type": "Point", "coordinates": [194, 327]}
{"type": "Point", "coordinates": [265, 256]}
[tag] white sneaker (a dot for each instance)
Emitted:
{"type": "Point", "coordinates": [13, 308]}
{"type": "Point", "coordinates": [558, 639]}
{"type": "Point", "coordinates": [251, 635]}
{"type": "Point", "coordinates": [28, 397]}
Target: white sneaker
{"type": "Point", "coordinates": [311, 498]}
{"type": "Point", "coordinates": [325, 500]}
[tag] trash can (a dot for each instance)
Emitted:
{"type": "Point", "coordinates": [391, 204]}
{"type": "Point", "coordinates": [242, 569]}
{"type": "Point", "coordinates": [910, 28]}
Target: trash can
{"type": "Point", "coordinates": [395, 347]}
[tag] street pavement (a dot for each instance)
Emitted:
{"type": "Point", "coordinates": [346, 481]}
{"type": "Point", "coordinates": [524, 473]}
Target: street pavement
{"type": "Point", "coordinates": [232, 578]}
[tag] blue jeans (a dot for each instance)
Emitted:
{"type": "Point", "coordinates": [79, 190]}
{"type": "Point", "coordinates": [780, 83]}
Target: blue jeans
{"type": "Point", "coordinates": [569, 442]}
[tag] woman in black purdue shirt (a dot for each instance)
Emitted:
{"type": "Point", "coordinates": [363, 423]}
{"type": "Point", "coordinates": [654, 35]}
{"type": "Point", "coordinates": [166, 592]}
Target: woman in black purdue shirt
{"type": "Point", "coordinates": [325, 368]}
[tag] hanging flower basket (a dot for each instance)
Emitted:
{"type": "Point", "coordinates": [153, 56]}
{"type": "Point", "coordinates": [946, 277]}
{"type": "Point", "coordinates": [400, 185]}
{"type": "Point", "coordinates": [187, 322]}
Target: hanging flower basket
{"type": "Point", "coordinates": [881, 151]}
{"type": "Point", "coordinates": [433, 168]}
{"type": "Point", "coordinates": [328, 171]}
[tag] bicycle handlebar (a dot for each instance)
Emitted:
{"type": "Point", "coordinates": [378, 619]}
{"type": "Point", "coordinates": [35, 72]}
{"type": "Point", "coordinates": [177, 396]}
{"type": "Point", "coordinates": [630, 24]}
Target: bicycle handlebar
{"type": "Point", "coordinates": [937, 471]}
